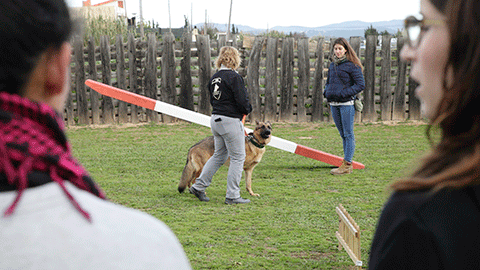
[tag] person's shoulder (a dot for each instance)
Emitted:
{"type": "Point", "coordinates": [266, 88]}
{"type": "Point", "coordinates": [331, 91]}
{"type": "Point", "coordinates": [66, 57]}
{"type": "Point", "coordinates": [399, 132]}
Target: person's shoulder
{"type": "Point", "coordinates": [425, 202]}
{"type": "Point", "coordinates": [448, 201]}
{"type": "Point", "coordinates": [225, 73]}
{"type": "Point", "coordinates": [404, 204]}
{"type": "Point", "coordinates": [105, 212]}
{"type": "Point", "coordinates": [412, 199]}
{"type": "Point", "coordinates": [349, 64]}
{"type": "Point", "coordinates": [232, 75]}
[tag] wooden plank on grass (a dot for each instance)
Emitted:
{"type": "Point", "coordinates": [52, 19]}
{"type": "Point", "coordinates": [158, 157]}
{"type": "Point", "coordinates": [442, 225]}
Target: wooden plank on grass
{"type": "Point", "coordinates": [348, 235]}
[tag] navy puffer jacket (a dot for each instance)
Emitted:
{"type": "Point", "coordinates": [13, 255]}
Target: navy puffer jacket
{"type": "Point", "coordinates": [344, 81]}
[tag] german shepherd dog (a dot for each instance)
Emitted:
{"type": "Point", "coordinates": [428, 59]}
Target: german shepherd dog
{"type": "Point", "coordinates": [199, 154]}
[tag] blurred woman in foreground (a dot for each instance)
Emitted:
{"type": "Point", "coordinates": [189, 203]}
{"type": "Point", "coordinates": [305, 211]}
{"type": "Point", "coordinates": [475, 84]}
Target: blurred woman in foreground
{"type": "Point", "coordinates": [432, 219]}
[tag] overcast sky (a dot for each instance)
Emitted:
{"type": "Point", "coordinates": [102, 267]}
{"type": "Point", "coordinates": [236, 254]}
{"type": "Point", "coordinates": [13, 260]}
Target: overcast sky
{"type": "Point", "coordinates": [264, 14]}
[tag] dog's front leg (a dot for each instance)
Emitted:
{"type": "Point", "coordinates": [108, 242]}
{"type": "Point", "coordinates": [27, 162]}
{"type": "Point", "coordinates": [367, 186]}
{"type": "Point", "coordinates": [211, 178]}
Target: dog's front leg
{"type": "Point", "coordinates": [248, 181]}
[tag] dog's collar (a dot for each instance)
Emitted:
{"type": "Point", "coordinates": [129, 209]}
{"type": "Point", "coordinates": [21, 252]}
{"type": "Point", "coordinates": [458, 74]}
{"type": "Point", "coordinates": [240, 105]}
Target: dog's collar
{"type": "Point", "coordinates": [254, 141]}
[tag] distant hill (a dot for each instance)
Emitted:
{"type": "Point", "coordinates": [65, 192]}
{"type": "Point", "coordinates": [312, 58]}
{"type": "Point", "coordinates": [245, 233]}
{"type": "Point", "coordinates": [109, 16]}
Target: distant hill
{"type": "Point", "coordinates": [344, 29]}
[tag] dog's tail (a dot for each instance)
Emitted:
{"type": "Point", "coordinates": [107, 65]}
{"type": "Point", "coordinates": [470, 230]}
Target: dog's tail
{"type": "Point", "coordinates": [187, 175]}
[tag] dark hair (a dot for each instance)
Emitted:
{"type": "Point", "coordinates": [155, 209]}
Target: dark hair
{"type": "Point", "coordinates": [439, 4]}
{"type": "Point", "coordinates": [455, 161]}
{"type": "Point", "coordinates": [351, 55]}
{"type": "Point", "coordinates": [27, 29]}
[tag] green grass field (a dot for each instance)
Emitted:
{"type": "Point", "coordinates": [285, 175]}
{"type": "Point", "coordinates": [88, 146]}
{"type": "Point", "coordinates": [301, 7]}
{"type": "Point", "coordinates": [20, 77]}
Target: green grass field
{"type": "Point", "coordinates": [290, 226]}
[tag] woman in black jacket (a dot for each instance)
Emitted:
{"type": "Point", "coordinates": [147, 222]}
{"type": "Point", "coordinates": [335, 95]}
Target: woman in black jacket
{"type": "Point", "coordinates": [229, 99]}
{"type": "Point", "coordinates": [345, 80]}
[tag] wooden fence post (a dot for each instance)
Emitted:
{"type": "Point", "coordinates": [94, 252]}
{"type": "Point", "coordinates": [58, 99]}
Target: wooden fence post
{"type": "Point", "coordinates": [385, 80]}
{"type": "Point", "coordinates": [271, 80]}
{"type": "Point", "coordinates": [399, 94]}
{"type": "Point", "coordinates": [355, 43]}
{"type": "Point", "coordinates": [121, 79]}
{"type": "Point", "coordinates": [286, 85]}
{"type": "Point", "coordinates": [253, 77]}
{"type": "Point", "coordinates": [330, 55]}
{"type": "Point", "coordinates": [169, 94]}
{"type": "Point", "coordinates": [317, 96]}
{"type": "Point", "coordinates": [369, 113]}
{"type": "Point", "coordinates": [151, 74]}
{"type": "Point", "coordinates": [80, 88]}
{"type": "Point", "coordinates": [413, 102]}
{"type": "Point", "coordinates": [205, 72]}
{"type": "Point", "coordinates": [303, 79]}
{"type": "Point", "coordinates": [186, 87]}
{"type": "Point", "coordinates": [92, 75]}
{"type": "Point", "coordinates": [132, 75]}
{"type": "Point", "coordinates": [107, 102]}
{"type": "Point", "coordinates": [396, 103]}
{"type": "Point", "coordinates": [222, 41]}
{"type": "Point", "coordinates": [69, 107]}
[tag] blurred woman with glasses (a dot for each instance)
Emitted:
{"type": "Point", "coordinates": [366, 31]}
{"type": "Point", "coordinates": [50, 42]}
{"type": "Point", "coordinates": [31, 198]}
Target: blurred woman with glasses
{"type": "Point", "coordinates": [432, 219]}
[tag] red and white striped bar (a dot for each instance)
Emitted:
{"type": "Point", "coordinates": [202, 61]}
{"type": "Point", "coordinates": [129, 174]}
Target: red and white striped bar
{"type": "Point", "coordinates": [204, 120]}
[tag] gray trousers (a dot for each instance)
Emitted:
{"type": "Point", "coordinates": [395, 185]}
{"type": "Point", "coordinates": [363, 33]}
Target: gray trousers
{"type": "Point", "coordinates": [229, 137]}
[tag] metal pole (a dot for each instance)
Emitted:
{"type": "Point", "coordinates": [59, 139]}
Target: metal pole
{"type": "Point", "coordinates": [205, 28]}
{"type": "Point", "coordinates": [229, 18]}
{"type": "Point", "coordinates": [125, 7]}
{"type": "Point", "coordinates": [169, 17]}
{"type": "Point", "coordinates": [142, 34]}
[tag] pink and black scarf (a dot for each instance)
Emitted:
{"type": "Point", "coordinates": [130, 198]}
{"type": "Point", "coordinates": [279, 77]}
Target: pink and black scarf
{"type": "Point", "coordinates": [34, 151]}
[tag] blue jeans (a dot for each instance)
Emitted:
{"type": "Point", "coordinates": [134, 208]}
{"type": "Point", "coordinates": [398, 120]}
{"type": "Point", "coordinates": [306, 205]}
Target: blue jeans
{"type": "Point", "coordinates": [344, 116]}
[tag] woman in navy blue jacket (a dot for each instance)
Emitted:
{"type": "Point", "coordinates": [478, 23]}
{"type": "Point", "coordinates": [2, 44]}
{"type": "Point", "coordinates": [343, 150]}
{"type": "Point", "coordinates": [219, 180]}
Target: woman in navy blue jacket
{"type": "Point", "coordinates": [345, 80]}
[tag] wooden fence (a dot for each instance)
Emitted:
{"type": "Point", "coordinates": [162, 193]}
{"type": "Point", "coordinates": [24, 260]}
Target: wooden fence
{"type": "Point", "coordinates": [285, 78]}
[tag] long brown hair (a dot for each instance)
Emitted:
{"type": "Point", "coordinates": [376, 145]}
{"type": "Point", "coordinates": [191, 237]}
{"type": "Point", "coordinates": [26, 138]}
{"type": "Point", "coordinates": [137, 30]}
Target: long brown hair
{"type": "Point", "coordinates": [351, 55]}
{"type": "Point", "coordinates": [455, 160]}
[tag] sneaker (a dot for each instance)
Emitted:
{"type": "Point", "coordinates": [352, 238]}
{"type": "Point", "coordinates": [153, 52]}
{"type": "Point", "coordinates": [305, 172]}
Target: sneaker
{"type": "Point", "coordinates": [236, 201]}
{"type": "Point", "coordinates": [200, 194]}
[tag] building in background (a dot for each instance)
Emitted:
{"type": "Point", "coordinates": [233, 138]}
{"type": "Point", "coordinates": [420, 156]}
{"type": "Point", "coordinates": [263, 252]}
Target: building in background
{"type": "Point", "coordinates": [111, 9]}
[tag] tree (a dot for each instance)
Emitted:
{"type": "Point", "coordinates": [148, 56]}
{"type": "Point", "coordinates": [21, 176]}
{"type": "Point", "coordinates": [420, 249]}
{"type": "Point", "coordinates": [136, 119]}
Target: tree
{"type": "Point", "coordinates": [371, 31]}
{"type": "Point", "coordinates": [385, 33]}
{"type": "Point", "coordinates": [187, 24]}
{"type": "Point", "coordinates": [233, 29]}
{"type": "Point", "coordinates": [398, 34]}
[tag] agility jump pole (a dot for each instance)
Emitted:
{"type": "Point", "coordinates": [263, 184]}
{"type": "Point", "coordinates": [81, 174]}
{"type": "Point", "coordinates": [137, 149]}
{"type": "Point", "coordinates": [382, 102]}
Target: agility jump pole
{"type": "Point", "coordinates": [204, 120]}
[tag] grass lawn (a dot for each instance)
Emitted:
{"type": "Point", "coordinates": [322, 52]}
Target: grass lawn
{"type": "Point", "coordinates": [290, 226]}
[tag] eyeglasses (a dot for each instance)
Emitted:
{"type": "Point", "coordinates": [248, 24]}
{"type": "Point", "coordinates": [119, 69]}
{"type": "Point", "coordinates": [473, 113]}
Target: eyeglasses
{"type": "Point", "coordinates": [415, 28]}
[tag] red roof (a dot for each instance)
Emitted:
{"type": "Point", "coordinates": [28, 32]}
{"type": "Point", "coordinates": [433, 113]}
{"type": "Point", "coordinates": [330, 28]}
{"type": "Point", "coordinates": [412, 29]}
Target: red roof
{"type": "Point", "coordinates": [106, 2]}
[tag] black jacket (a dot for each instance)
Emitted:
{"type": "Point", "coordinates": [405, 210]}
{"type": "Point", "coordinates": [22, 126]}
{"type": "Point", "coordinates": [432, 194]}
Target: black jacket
{"type": "Point", "coordinates": [228, 94]}
{"type": "Point", "coordinates": [421, 231]}
{"type": "Point", "coordinates": [344, 81]}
